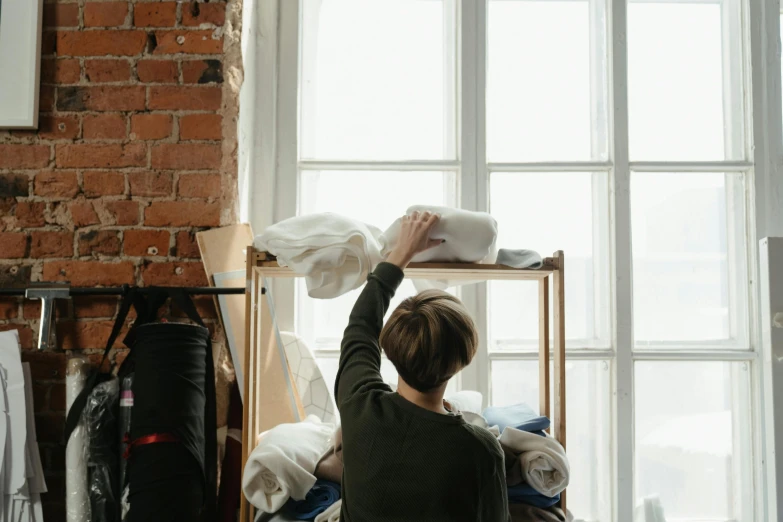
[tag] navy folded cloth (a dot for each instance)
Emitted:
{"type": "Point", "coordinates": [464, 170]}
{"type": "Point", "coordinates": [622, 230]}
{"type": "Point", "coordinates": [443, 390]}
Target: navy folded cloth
{"type": "Point", "coordinates": [519, 416]}
{"type": "Point", "coordinates": [524, 494]}
{"type": "Point", "coordinates": [322, 495]}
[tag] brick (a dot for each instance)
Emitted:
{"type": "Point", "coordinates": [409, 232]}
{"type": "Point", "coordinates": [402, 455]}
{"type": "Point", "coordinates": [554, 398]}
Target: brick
{"type": "Point", "coordinates": [96, 184]}
{"type": "Point", "coordinates": [188, 42]}
{"type": "Point", "coordinates": [123, 213]}
{"type": "Point", "coordinates": [45, 365]}
{"type": "Point", "coordinates": [182, 214]}
{"type": "Point", "coordinates": [205, 307]}
{"type": "Point", "coordinates": [150, 126]}
{"type": "Point", "coordinates": [12, 276]}
{"type": "Point", "coordinates": [63, 71]}
{"type": "Point", "coordinates": [32, 309]}
{"type": "Point", "coordinates": [9, 307]}
{"type": "Point", "coordinates": [190, 156]}
{"type": "Point", "coordinates": [58, 127]}
{"type": "Point", "coordinates": [51, 244]}
{"type": "Point", "coordinates": [92, 307]}
{"type": "Point", "coordinates": [157, 71]}
{"type": "Point", "coordinates": [83, 214]}
{"type": "Point", "coordinates": [110, 126]}
{"type": "Point", "coordinates": [186, 245]}
{"type": "Point", "coordinates": [105, 71]}
{"type": "Point", "coordinates": [61, 15]}
{"type": "Point", "coordinates": [24, 156]}
{"type": "Point", "coordinates": [25, 334]}
{"type": "Point", "coordinates": [101, 43]}
{"type": "Point", "coordinates": [150, 184]}
{"type": "Point", "coordinates": [199, 13]}
{"type": "Point", "coordinates": [174, 274]}
{"type": "Point", "coordinates": [40, 396]}
{"type": "Point", "coordinates": [106, 242]}
{"type": "Point", "coordinates": [160, 14]}
{"type": "Point", "coordinates": [48, 43]}
{"type": "Point", "coordinates": [105, 98]}
{"type": "Point", "coordinates": [101, 155]}
{"type": "Point", "coordinates": [105, 14]}
{"type": "Point", "coordinates": [46, 98]}
{"type": "Point", "coordinates": [14, 185]}
{"type": "Point", "coordinates": [84, 335]}
{"type": "Point", "coordinates": [30, 214]}
{"type": "Point", "coordinates": [185, 98]}
{"type": "Point", "coordinates": [49, 427]}
{"type": "Point", "coordinates": [202, 71]}
{"type": "Point", "coordinates": [89, 273]}
{"type": "Point", "coordinates": [201, 127]}
{"type": "Point", "coordinates": [199, 186]}
{"type": "Point", "coordinates": [56, 184]}
{"type": "Point", "coordinates": [146, 242]}
{"type": "Point", "coordinates": [13, 245]}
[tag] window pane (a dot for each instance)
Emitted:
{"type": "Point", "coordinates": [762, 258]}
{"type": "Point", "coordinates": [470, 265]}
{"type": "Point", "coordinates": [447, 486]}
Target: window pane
{"type": "Point", "coordinates": [377, 198]}
{"type": "Point", "coordinates": [690, 281]}
{"type": "Point", "coordinates": [693, 440]}
{"type": "Point", "coordinates": [588, 403]}
{"type": "Point", "coordinates": [684, 80]}
{"type": "Point", "coordinates": [549, 212]}
{"type": "Point", "coordinates": [378, 79]}
{"type": "Point", "coordinates": [543, 100]}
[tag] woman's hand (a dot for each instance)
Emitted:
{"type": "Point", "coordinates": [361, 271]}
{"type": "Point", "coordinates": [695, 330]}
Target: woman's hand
{"type": "Point", "coordinates": [414, 238]}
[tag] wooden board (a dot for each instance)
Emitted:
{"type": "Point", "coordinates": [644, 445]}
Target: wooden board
{"type": "Point", "coordinates": [224, 250]}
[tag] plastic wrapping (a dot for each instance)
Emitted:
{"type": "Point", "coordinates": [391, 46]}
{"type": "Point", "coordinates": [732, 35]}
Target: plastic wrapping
{"type": "Point", "coordinates": [126, 405]}
{"type": "Point", "coordinates": [100, 420]}
{"type": "Point", "coordinates": [77, 501]}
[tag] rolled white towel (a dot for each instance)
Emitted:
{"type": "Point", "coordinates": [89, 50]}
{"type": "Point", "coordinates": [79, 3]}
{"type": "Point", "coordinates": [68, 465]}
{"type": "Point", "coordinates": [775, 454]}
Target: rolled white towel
{"type": "Point", "coordinates": [334, 252]}
{"type": "Point", "coordinates": [543, 460]}
{"type": "Point", "coordinates": [332, 514]}
{"type": "Point", "coordinates": [283, 463]}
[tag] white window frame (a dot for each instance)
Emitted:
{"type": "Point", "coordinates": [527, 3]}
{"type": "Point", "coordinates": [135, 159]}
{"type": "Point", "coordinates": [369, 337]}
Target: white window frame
{"type": "Point", "coordinates": [269, 171]}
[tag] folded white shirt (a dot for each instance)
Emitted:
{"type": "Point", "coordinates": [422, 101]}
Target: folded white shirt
{"type": "Point", "coordinates": [332, 513]}
{"type": "Point", "coordinates": [283, 463]}
{"type": "Point", "coordinates": [335, 253]}
{"type": "Point", "coordinates": [543, 460]}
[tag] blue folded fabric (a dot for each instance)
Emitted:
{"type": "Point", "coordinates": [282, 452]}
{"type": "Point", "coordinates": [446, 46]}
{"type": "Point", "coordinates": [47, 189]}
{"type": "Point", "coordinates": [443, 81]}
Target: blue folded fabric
{"type": "Point", "coordinates": [322, 495]}
{"type": "Point", "coordinates": [524, 494]}
{"type": "Point", "coordinates": [519, 416]}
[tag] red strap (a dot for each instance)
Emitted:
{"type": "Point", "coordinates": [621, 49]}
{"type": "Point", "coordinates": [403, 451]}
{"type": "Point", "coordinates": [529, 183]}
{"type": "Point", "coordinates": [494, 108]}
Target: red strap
{"type": "Point", "coordinates": [147, 439]}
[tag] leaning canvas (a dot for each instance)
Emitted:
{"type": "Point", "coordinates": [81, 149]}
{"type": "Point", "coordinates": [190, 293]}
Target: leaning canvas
{"type": "Point", "coordinates": [20, 61]}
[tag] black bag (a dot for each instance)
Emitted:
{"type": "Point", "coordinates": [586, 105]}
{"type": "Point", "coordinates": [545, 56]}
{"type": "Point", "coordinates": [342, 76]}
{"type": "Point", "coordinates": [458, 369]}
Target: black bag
{"type": "Point", "coordinates": [172, 469]}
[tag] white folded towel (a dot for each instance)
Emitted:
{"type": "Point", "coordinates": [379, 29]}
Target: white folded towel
{"type": "Point", "coordinates": [332, 514]}
{"type": "Point", "coordinates": [469, 237]}
{"type": "Point", "coordinates": [543, 460]}
{"type": "Point", "coordinates": [335, 253]}
{"type": "Point", "coordinates": [283, 463]}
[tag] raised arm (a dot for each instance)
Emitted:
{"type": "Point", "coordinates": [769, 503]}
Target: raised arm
{"type": "Point", "coordinates": [360, 354]}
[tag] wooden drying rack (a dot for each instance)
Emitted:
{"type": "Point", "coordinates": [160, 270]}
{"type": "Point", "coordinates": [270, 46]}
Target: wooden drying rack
{"type": "Point", "coordinates": [260, 338]}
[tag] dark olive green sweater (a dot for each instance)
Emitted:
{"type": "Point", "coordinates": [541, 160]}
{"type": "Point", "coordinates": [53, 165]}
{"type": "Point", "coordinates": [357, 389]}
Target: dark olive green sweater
{"type": "Point", "coordinates": [402, 462]}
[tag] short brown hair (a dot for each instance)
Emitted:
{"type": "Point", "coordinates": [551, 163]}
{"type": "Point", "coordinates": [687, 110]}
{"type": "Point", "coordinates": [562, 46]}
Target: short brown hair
{"type": "Point", "coordinates": [429, 338]}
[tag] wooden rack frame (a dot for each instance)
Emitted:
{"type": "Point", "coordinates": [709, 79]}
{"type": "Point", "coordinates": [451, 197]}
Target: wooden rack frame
{"type": "Point", "coordinates": [260, 338]}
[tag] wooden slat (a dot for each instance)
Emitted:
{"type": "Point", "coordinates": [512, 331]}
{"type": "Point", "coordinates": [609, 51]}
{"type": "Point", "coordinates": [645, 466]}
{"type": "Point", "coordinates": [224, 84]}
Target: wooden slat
{"type": "Point", "coordinates": [244, 506]}
{"type": "Point", "coordinates": [543, 347]}
{"type": "Point", "coordinates": [560, 353]}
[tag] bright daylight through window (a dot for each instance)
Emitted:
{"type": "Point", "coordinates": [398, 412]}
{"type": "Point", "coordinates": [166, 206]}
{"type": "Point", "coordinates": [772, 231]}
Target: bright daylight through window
{"type": "Point", "coordinates": [637, 167]}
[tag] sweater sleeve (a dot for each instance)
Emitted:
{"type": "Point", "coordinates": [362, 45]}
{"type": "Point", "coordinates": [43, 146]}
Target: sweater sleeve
{"type": "Point", "coordinates": [360, 353]}
{"type": "Point", "coordinates": [494, 498]}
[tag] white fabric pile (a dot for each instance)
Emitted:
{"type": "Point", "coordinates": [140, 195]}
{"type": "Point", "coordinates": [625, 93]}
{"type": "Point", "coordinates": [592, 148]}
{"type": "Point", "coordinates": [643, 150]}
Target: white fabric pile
{"type": "Point", "coordinates": [335, 253]}
{"type": "Point", "coordinates": [543, 460]}
{"type": "Point", "coordinates": [283, 463]}
{"type": "Point", "coordinates": [21, 472]}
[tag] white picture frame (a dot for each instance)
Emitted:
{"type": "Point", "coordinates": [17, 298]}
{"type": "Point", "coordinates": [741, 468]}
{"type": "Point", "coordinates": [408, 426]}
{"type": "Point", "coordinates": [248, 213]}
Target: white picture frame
{"type": "Point", "coordinates": [20, 62]}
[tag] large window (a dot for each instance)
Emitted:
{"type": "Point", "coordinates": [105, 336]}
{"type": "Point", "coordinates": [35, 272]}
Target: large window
{"type": "Point", "coordinates": [618, 132]}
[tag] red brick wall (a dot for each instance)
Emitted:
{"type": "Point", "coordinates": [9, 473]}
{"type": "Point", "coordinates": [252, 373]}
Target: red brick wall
{"type": "Point", "coordinates": [124, 168]}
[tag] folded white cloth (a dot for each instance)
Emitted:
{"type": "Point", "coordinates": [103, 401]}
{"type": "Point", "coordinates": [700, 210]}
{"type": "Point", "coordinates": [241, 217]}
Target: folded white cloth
{"type": "Point", "coordinates": [335, 253]}
{"type": "Point", "coordinates": [470, 237]}
{"type": "Point", "coordinates": [466, 401]}
{"type": "Point", "coordinates": [543, 460]}
{"type": "Point", "coordinates": [332, 514]}
{"type": "Point", "coordinates": [283, 463]}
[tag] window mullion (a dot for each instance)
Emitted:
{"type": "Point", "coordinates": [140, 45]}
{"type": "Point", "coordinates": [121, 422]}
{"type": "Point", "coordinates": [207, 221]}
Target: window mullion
{"type": "Point", "coordinates": [622, 280]}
